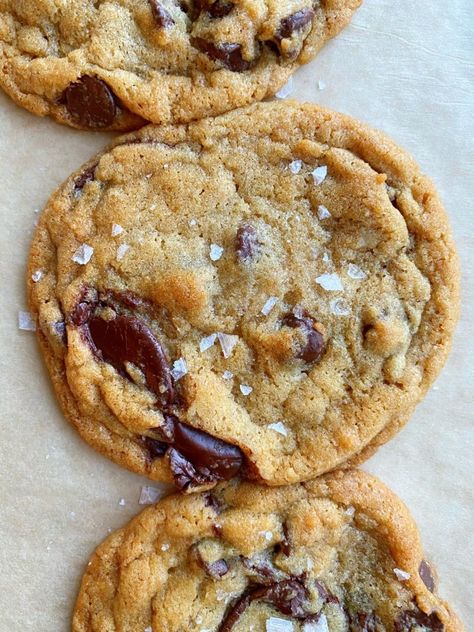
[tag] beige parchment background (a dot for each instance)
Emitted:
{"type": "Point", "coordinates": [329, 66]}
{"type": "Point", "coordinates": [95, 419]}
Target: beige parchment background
{"type": "Point", "coordinates": [405, 67]}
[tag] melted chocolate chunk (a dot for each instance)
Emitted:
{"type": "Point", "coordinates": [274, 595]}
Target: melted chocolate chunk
{"type": "Point", "coordinates": [315, 346]}
{"type": "Point", "coordinates": [324, 593]}
{"type": "Point", "coordinates": [161, 16]}
{"type": "Point", "coordinates": [287, 596]}
{"type": "Point", "coordinates": [363, 622]}
{"type": "Point", "coordinates": [219, 8]}
{"type": "Point", "coordinates": [411, 618]}
{"type": "Point", "coordinates": [211, 501]}
{"type": "Point", "coordinates": [216, 569]}
{"type": "Point", "coordinates": [128, 339]}
{"type": "Point", "coordinates": [155, 448]}
{"type": "Point", "coordinates": [295, 22]}
{"type": "Point", "coordinates": [85, 177]}
{"type": "Point", "coordinates": [247, 245]}
{"type": "Point", "coordinates": [426, 575]}
{"type": "Point", "coordinates": [90, 102]}
{"type": "Point", "coordinates": [267, 574]}
{"type": "Point", "coordinates": [230, 55]}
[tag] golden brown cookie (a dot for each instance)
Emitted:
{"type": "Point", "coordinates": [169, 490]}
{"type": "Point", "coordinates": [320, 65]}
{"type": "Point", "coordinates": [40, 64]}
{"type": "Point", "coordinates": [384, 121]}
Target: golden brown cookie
{"type": "Point", "coordinates": [340, 554]}
{"type": "Point", "coordinates": [109, 65]}
{"type": "Point", "coordinates": [271, 292]}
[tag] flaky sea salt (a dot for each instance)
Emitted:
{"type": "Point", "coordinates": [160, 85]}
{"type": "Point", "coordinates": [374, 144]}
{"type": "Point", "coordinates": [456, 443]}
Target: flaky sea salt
{"type": "Point", "coordinates": [148, 629]}
{"type": "Point", "coordinates": [339, 308]}
{"type": "Point", "coordinates": [350, 511]}
{"type": "Point", "coordinates": [83, 254]}
{"type": "Point", "coordinates": [37, 276]}
{"type": "Point", "coordinates": [401, 575]}
{"type": "Point", "coordinates": [268, 535]}
{"type": "Point", "coordinates": [122, 502]}
{"type": "Point", "coordinates": [116, 230]}
{"type": "Point", "coordinates": [319, 174]}
{"type": "Point", "coordinates": [149, 495]}
{"type": "Point", "coordinates": [245, 389]}
{"type": "Point", "coordinates": [121, 251]}
{"type": "Point", "coordinates": [355, 272]}
{"type": "Point", "coordinates": [275, 624]}
{"type": "Point", "coordinates": [321, 84]}
{"type": "Point", "coordinates": [165, 547]}
{"type": "Point", "coordinates": [193, 222]}
{"type": "Point", "coordinates": [180, 368]}
{"type": "Point", "coordinates": [285, 90]}
{"type": "Point", "coordinates": [321, 625]}
{"type": "Point", "coordinates": [330, 282]}
{"type": "Point", "coordinates": [227, 375]}
{"type": "Point", "coordinates": [279, 427]}
{"type": "Point", "coordinates": [323, 212]}
{"type": "Point", "coordinates": [269, 305]}
{"type": "Point", "coordinates": [326, 257]}
{"type": "Point", "coordinates": [207, 342]}
{"type": "Point", "coordinates": [295, 166]}
{"type": "Point", "coordinates": [215, 252]}
{"type": "Point", "coordinates": [26, 321]}
{"type": "Point", "coordinates": [227, 342]}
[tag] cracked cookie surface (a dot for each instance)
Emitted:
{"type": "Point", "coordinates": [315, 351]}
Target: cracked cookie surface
{"type": "Point", "coordinates": [339, 554]}
{"type": "Point", "coordinates": [96, 64]}
{"type": "Point", "coordinates": [270, 292]}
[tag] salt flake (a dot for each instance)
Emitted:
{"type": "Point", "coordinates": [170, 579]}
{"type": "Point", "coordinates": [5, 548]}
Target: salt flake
{"type": "Point", "coordinates": [339, 308]}
{"type": "Point", "coordinates": [319, 174]}
{"type": "Point", "coordinates": [83, 254]}
{"type": "Point", "coordinates": [122, 502]}
{"type": "Point", "coordinates": [227, 342]}
{"type": "Point", "coordinates": [285, 90]}
{"type": "Point", "coordinates": [401, 575]}
{"type": "Point", "coordinates": [295, 166]}
{"type": "Point", "coordinates": [279, 427]}
{"type": "Point", "coordinates": [215, 252]}
{"type": "Point", "coordinates": [275, 624]}
{"type": "Point", "coordinates": [321, 84]}
{"type": "Point", "coordinates": [37, 276]}
{"type": "Point", "coordinates": [192, 222]}
{"type": "Point", "coordinates": [355, 272]}
{"type": "Point", "coordinates": [180, 368]}
{"type": "Point", "coordinates": [207, 342]}
{"type": "Point", "coordinates": [148, 629]}
{"type": "Point", "coordinates": [269, 305]}
{"type": "Point", "coordinates": [321, 625]}
{"type": "Point", "coordinates": [26, 321]}
{"type": "Point", "coordinates": [330, 282]}
{"type": "Point", "coordinates": [245, 389]}
{"type": "Point", "coordinates": [165, 547]}
{"type": "Point", "coordinates": [121, 251]}
{"type": "Point", "coordinates": [323, 212]}
{"type": "Point", "coordinates": [227, 375]}
{"type": "Point", "coordinates": [149, 495]}
{"type": "Point", "coordinates": [350, 511]}
{"type": "Point", "coordinates": [116, 230]}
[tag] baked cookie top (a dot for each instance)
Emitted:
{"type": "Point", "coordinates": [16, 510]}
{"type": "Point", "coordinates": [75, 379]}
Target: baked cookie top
{"type": "Point", "coordinates": [109, 64]}
{"type": "Point", "coordinates": [340, 554]}
{"type": "Point", "coordinates": [271, 291]}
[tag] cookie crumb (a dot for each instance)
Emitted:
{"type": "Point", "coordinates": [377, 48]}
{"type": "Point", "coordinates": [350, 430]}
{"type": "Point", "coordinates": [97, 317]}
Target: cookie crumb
{"type": "Point", "coordinates": [83, 254]}
{"type": "Point", "coordinates": [285, 90]}
{"type": "Point", "coordinates": [215, 252]}
{"type": "Point", "coordinates": [180, 368]}
{"type": "Point", "coordinates": [207, 342]}
{"type": "Point", "coordinates": [26, 321]}
{"type": "Point", "coordinates": [330, 282]}
{"type": "Point", "coordinates": [319, 174]}
{"type": "Point", "coordinates": [269, 305]}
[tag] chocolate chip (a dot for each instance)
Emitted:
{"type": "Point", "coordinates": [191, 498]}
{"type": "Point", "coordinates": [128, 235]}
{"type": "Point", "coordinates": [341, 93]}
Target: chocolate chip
{"type": "Point", "coordinates": [85, 177]}
{"type": "Point", "coordinates": [216, 569]}
{"type": "Point", "coordinates": [410, 619]}
{"type": "Point", "coordinates": [128, 339]}
{"type": "Point", "coordinates": [324, 593]}
{"type": "Point", "coordinates": [295, 22]}
{"type": "Point", "coordinates": [230, 55]}
{"type": "Point", "coordinates": [426, 575]}
{"type": "Point", "coordinates": [314, 347]}
{"type": "Point", "coordinates": [201, 458]}
{"type": "Point", "coordinates": [90, 102]}
{"type": "Point", "coordinates": [287, 596]}
{"type": "Point", "coordinates": [247, 245]}
{"type": "Point", "coordinates": [161, 16]}
{"type": "Point", "coordinates": [210, 500]}
{"type": "Point", "coordinates": [219, 8]}
{"type": "Point", "coordinates": [155, 448]}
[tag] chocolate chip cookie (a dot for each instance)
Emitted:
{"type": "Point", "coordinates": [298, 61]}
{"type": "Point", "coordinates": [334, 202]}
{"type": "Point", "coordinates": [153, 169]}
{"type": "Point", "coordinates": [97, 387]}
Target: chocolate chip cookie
{"type": "Point", "coordinates": [109, 65]}
{"type": "Point", "coordinates": [340, 554]}
{"type": "Point", "coordinates": [270, 292]}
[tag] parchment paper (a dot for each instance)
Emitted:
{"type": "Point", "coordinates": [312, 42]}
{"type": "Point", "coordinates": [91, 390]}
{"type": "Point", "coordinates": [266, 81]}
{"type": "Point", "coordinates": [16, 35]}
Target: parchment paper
{"type": "Point", "coordinates": [405, 67]}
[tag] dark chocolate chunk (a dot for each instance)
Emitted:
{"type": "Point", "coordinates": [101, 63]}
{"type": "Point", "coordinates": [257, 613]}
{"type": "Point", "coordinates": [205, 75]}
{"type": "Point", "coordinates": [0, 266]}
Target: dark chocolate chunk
{"type": "Point", "coordinates": [216, 569]}
{"type": "Point", "coordinates": [247, 245]}
{"type": "Point", "coordinates": [315, 345]}
{"type": "Point", "coordinates": [411, 618]}
{"type": "Point", "coordinates": [155, 447]}
{"type": "Point", "coordinates": [426, 575]}
{"type": "Point", "coordinates": [211, 501]}
{"type": "Point", "coordinates": [295, 22]}
{"type": "Point", "coordinates": [229, 54]}
{"type": "Point", "coordinates": [288, 597]}
{"type": "Point", "coordinates": [90, 102]}
{"type": "Point", "coordinates": [161, 16]}
{"type": "Point", "coordinates": [324, 593]}
{"type": "Point", "coordinates": [128, 339]}
{"type": "Point", "coordinates": [219, 8]}
{"type": "Point", "coordinates": [85, 177]}
{"type": "Point", "coordinates": [363, 622]}
{"type": "Point", "coordinates": [184, 473]}
{"type": "Point", "coordinates": [267, 574]}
